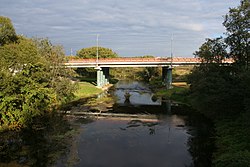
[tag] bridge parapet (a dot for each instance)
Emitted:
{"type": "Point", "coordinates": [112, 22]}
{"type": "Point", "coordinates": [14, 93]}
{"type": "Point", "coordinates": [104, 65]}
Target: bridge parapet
{"type": "Point", "coordinates": [135, 62]}
{"type": "Point", "coordinates": [126, 59]}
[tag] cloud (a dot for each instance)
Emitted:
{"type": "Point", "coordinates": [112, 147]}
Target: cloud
{"type": "Point", "coordinates": [137, 27]}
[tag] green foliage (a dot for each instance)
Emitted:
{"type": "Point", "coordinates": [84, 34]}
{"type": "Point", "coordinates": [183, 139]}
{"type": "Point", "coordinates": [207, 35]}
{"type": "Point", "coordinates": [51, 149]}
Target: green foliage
{"type": "Point", "coordinates": [212, 83]}
{"type": "Point", "coordinates": [7, 31]}
{"type": "Point", "coordinates": [237, 25]}
{"type": "Point", "coordinates": [150, 73]}
{"type": "Point", "coordinates": [58, 75]}
{"type": "Point", "coordinates": [214, 86]}
{"type": "Point", "coordinates": [15, 55]}
{"type": "Point", "coordinates": [212, 51]}
{"type": "Point", "coordinates": [41, 144]}
{"type": "Point", "coordinates": [33, 81]}
{"type": "Point", "coordinates": [147, 56]}
{"type": "Point", "coordinates": [177, 93]}
{"type": "Point", "coordinates": [24, 96]}
{"type": "Point", "coordinates": [222, 91]}
{"type": "Point", "coordinates": [233, 142]}
{"type": "Point", "coordinates": [126, 73]}
{"type": "Point", "coordinates": [239, 159]}
{"type": "Point", "coordinates": [92, 51]}
{"type": "Point", "coordinates": [86, 72]}
{"type": "Point", "coordinates": [180, 73]}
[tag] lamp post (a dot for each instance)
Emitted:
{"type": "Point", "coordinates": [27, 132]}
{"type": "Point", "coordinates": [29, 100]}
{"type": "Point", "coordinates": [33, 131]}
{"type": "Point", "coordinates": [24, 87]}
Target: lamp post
{"type": "Point", "coordinates": [172, 38]}
{"type": "Point", "coordinates": [97, 51]}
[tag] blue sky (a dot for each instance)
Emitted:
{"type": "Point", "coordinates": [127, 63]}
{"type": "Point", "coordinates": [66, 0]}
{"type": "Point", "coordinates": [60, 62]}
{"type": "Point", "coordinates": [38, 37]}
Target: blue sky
{"type": "Point", "coordinates": [129, 27]}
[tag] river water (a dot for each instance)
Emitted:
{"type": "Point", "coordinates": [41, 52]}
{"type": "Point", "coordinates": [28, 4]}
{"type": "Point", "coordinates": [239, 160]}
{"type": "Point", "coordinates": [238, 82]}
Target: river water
{"type": "Point", "coordinates": [148, 132]}
{"type": "Point", "coordinates": [162, 135]}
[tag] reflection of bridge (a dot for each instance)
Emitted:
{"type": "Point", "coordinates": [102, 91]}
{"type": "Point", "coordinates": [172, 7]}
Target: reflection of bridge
{"type": "Point", "coordinates": [103, 65]}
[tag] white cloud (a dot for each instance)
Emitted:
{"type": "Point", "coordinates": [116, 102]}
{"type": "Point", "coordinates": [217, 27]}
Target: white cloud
{"type": "Point", "coordinates": [129, 27]}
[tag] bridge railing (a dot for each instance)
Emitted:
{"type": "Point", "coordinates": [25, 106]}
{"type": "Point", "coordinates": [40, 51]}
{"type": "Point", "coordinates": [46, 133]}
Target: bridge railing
{"type": "Point", "coordinates": [126, 59]}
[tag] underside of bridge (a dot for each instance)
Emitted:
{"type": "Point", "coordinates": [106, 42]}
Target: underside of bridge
{"type": "Point", "coordinates": [102, 76]}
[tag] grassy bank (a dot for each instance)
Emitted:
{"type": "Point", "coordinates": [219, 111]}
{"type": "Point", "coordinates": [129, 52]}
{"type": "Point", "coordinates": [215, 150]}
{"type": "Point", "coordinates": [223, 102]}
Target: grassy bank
{"type": "Point", "coordinates": [86, 99]}
{"type": "Point", "coordinates": [87, 89]}
{"type": "Point", "coordinates": [178, 93]}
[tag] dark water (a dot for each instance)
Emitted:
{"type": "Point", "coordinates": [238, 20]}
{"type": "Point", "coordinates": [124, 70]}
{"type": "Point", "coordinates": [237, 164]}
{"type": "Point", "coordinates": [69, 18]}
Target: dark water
{"type": "Point", "coordinates": [163, 136]}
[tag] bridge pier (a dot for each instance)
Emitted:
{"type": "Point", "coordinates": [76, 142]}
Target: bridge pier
{"type": "Point", "coordinates": [167, 77]}
{"type": "Point", "coordinates": [102, 76]}
{"type": "Point", "coordinates": [106, 74]}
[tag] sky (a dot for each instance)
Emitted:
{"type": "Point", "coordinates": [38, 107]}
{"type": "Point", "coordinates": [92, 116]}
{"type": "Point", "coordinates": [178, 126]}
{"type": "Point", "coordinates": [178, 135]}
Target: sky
{"type": "Point", "coordinates": [128, 27]}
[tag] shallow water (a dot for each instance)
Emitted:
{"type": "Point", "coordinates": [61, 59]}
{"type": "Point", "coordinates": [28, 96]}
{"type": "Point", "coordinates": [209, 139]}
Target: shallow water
{"type": "Point", "coordinates": [162, 136]}
{"type": "Point", "coordinates": [133, 143]}
{"type": "Point", "coordinates": [139, 91]}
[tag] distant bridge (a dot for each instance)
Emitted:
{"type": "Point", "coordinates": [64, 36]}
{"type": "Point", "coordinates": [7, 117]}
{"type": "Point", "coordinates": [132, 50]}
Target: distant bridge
{"type": "Point", "coordinates": [103, 64]}
{"type": "Point", "coordinates": [132, 62]}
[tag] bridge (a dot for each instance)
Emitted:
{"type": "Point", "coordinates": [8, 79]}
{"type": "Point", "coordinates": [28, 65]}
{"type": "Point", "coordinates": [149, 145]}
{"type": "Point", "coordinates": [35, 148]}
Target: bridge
{"type": "Point", "coordinates": [132, 62]}
{"type": "Point", "coordinates": [102, 66]}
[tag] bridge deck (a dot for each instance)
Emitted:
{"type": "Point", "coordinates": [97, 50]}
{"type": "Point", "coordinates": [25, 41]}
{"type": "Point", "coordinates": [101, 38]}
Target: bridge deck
{"type": "Point", "coordinates": [134, 62]}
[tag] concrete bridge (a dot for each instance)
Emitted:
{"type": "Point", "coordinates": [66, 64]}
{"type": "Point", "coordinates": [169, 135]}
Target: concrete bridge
{"type": "Point", "coordinates": [132, 62]}
{"type": "Point", "coordinates": [102, 66]}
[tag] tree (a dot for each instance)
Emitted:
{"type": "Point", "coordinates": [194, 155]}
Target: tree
{"type": "Point", "coordinates": [24, 96]}
{"type": "Point", "coordinates": [15, 55]}
{"type": "Point", "coordinates": [238, 33]}
{"type": "Point", "coordinates": [212, 51]}
{"type": "Point", "coordinates": [222, 91]}
{"type": "Point", "coordinates": [33, 81]}
{"type": "Point", "coordinates": [59, 75]}
{"type": "Point", "coordinates": [7, 31]}
{"type": "Point", "coordinates": [149, 73]}
{"type": "Point", "coordinates": [212, 83]}
{"type": "Point", "coordinates": [92, 52]}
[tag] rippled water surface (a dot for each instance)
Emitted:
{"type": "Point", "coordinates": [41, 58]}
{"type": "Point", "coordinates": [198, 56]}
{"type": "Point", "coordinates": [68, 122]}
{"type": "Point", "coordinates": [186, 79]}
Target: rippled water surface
{"type": "Point", "coordinates": [133, 143]}
{"type": "Point", "coordinates": [159, 137]}
{"type": "Point", "coordinates": [148, 132]}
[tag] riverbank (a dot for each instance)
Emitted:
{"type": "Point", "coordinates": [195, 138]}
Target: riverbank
{"type": "Point", "coordinates": [50, 136]}
{"type": "Point", "coordinates": [231, 133]}
{"type": "Point", "coordinates": [178, 93]}
{"type": "Point", "coordinates": [86, 89]}
{"type": "Point", "coordinates": [89, 98]}
{"type": "Point", "coordinates": [232, 141]}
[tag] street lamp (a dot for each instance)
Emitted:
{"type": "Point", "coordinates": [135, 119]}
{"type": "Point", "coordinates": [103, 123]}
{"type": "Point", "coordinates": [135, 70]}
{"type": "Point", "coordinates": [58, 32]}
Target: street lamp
{"type": "Point", "coordinates": [97, 51]}
{"type": "Point", "coordinates": [172, 38]}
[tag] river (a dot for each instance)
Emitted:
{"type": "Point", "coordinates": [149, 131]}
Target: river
{"type": "Point", "coordinates": [147, 132]}
{"type": "Point", "coordinates": [162, 134]}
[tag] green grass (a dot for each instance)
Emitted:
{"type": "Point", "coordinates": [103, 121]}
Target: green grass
{"type": "Point", "coordinates": [87, 89]}
{"type": "Point", "coordinates": [177, 93]}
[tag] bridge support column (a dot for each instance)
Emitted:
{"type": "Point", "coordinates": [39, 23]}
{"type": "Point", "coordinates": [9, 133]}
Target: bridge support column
{"type": "Point", "coordinates": [102, 76]}
{"type": "Point", "coordinates": [106, 74]}
{"type": "Point", "coordinates": [167, 77]}
{"type": "Point", "coordinates": [98, 78]}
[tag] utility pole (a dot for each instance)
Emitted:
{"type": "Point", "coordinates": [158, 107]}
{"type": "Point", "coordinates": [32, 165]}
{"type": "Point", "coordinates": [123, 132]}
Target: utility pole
{"type": "Point", "coordinates": [172, 38]}
{"type": "Point", "coordinates": [97, 51]}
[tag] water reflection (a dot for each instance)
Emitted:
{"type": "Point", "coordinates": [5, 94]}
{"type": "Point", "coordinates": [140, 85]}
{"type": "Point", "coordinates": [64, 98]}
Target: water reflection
{"type": "Point", "coordinates": [169, 140]}
{"type": "Point", "coordinates": [163, 135]}
{"type": "Point", "coordinates": [139, 93]}
{"type": "Point", "coordinates": [132, 143]}
{"type": "Point", "coordinates": [40, 144]}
